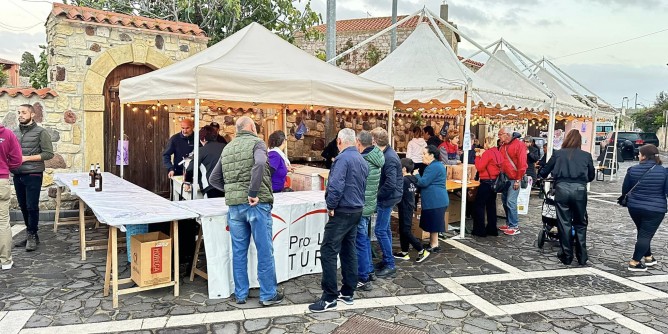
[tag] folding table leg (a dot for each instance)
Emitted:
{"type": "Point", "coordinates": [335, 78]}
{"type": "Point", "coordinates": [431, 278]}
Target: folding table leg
{"type": "Point", "coordinates": [107, 271]}
{"type": "Point", "coordinates": [198, 244]}
{"type": "Point", "coordinates": [175, 242]}
{"type": "Point", "coordinates": [58, 201]}
{"type": "Point", "coordinates": [82, 229]}
{"type": "Point", "coordinates": [114, 265]}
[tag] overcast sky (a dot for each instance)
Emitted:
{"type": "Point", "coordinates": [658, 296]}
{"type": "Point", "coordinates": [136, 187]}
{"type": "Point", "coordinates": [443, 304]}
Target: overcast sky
{"type": "Point", "coordinates": [540, 28]}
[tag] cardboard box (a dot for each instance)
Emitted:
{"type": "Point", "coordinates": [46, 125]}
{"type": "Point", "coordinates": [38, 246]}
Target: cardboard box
{"type": "Point", "coordinates": [151, 258]}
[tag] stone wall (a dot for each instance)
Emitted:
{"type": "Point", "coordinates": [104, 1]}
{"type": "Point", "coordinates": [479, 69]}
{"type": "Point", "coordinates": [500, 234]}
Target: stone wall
{"type": "Point", "coordinates": [65, 135]}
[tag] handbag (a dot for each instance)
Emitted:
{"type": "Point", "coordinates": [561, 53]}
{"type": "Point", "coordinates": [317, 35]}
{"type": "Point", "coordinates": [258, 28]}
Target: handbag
{"type": "Point", "coordinates": [501, 182]}
{"type": "Point", "coordinates": [524, 182]}
{"type": "Point", "coordinates": [623, 200]}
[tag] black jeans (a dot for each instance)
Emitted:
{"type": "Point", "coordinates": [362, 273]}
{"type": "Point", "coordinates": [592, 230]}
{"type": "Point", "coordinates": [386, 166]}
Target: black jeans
{"type": "Point", "coordinates": [406, 237]}
{"type": "Point", "coordinates": [339, 240]}
{"type": "Point", "coordinates": [647, 223]}
{"type": "Point", "coordinates": [485, 202]}
{"type": "Point", "coordinates": [28, 187]}
{"type": "Point", "coordinates": [571, 205]}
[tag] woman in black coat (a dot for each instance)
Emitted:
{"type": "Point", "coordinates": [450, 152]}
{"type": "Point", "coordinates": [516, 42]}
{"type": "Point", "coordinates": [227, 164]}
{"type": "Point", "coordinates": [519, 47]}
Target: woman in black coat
{"type": "Point", "coordinates": [571, 168]}
{"type": "Point", "coordinates": [645, 188]}
{"type": "Point", "coordinates": [533, 156]}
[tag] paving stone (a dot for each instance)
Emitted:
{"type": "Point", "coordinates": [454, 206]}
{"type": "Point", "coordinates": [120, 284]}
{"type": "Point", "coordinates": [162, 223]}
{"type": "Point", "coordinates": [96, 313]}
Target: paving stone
{"type": "Point", "coordinates": [322, 327]}
{"type": "Point", "coordinates": [454, 313]}
{"type": "Point", "coordinates": [227, 328]}
{"type": "Point", "coordinates": [483, 323]}
{"type": "Point", "coordinates": [38, 321]}
{"type": "Point", "coordinates": [66, 319]}
{"type": "Point", "coordinates": [528, 317]}
{"type": "Point", "coordinates": [324, 316]}
{"type": "Point", "coordinates": [288, 320]}
{"type": "Point", "coordinates": [256, 324]}
{"type": "Point", "coordinates": [189, 330]}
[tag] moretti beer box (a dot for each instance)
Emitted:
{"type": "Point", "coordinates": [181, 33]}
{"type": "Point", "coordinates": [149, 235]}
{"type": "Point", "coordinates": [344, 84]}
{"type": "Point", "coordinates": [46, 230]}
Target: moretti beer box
{"type": "Point", "coordinates": [151, 258]}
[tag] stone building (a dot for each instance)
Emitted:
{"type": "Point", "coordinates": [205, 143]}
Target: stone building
{"type": "Point", "coordinates": [11, 69]}
{"type": "Point", "coordinates": [89, 52]}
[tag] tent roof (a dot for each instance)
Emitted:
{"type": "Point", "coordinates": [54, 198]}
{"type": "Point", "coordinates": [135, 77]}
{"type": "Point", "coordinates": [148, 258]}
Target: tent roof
{"type": "Point", "coordinates": [423, 68]}
{"type": "Point", "coordinates": [495, 72]}
{"type": "Point", "coordinates": [254, 65]}
{"type": "Point", "coordinates": [565, 102]}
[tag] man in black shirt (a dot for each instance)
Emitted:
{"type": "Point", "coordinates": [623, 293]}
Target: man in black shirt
{"type": "Point", "coordinates": [430, 137]}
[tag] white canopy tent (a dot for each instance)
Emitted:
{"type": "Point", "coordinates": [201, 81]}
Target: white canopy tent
{"type": "Point", "coordinates": [254, 66]}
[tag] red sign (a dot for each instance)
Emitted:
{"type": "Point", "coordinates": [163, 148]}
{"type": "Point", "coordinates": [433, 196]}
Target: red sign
{"type": "Point", "coordinates": [156, 260]}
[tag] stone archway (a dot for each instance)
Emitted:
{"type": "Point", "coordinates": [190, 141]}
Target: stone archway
{"type": "Point", "coordinates": [93, 90]}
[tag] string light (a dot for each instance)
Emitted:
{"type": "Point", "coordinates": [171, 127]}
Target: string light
{"type": "Point", "coordinates": [146, 111]}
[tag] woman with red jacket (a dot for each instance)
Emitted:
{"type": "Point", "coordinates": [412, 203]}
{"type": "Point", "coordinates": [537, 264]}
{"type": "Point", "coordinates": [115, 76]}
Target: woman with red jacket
{"type": "Point", "coordinates": [488, 163]}
{"type": "Point", "coordinates": [449, 149]}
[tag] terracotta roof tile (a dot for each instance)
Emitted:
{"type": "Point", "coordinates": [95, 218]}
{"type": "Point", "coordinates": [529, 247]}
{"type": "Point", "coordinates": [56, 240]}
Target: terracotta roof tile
{"type": "Point", "coordinates": [369, 24]}
{"type": "Point", "coordinates": [7, 62]}
{"type": "Point", "coordinates": [99, 16]}
{"type": "Point", "coordinates": [472, 62]}
{"type": "Point", "coordinates": [28, 92]}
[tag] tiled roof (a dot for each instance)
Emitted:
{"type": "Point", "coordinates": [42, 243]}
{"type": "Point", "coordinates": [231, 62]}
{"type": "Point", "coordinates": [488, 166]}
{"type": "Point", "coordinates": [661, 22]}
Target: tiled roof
{"type": "Point", "coordinates": [99, 16]}
{"type": "Point", "coordinates": [7, 62]}
{"type": "Point", "coordinates": [28, 92]}
{"type": "Point", "coordinates": [472, 62]}
{"type": "Point", "coordinates": [369, 24]}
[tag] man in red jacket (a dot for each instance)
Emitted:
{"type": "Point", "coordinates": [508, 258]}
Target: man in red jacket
{"type": "Point", "coordinates": [514, 154]}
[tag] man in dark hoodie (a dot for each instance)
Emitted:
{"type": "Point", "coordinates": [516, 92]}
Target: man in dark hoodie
{"type": "Point", "coordinates": [180, 145]}
{"type": "Point", "coordinates": [389, 194]}
{"type": "Point", "coordinates": [37, 148]}
{"type": "Point", "coordinates": [406, 211]}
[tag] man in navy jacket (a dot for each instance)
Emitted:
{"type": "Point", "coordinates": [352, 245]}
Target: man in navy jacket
{"type": "Point", "coordinates": [180, 145]}
{"type": "Point", "coordinates": [347, 176]}
{"type": "Point", "coordinates": [389, 194]}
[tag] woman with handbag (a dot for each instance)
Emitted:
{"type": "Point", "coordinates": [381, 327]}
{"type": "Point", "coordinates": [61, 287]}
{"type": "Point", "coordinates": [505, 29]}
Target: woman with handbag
{"type": "Point", "coordinates": [644, 193]}
{"type": "Point", "coordinates": [488, 164]}
{"type": "Point", "coordinates": [435, 198]}
{"type": "Point", "coordinates": [571, 168]}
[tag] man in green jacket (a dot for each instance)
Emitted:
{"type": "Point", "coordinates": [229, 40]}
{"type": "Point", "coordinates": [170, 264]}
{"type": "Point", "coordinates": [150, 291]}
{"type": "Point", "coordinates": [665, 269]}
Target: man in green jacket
{"type": "Point", "coordinates": [37, 147]}
{"type": "Point", "coordinates": [375, 160]}
{"type": "Point", "coordinates": [243, 173]}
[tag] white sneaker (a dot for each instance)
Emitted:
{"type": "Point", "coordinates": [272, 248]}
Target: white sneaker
{"type": "Point", "coordinates": [8, 266]}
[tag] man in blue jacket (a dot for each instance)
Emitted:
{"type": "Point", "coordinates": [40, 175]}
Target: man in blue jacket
{"type": "Point", "coordinates": [389, 194]}
{"type": "Point", "coordinates": [347, 176]}
{"type": "Point", "coordinates": [180, 145]}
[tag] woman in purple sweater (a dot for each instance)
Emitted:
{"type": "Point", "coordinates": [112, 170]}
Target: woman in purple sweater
{"type": "Point", "coordinates": [278, 161]}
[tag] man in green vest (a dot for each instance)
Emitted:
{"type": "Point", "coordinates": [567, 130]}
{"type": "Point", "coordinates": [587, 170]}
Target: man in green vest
{"type": "Point", "coordinates": [243, 173]}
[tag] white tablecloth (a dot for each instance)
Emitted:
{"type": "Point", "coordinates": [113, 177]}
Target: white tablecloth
{"type": "Point", "coordinates": [298, 224]}
{"type": "Point", "coordinates": [121, 202]}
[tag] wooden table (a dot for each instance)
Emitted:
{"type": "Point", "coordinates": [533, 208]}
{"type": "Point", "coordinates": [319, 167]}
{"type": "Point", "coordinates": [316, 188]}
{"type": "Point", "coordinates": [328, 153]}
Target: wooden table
{"type": "Point", "coordinates": [123, 203]}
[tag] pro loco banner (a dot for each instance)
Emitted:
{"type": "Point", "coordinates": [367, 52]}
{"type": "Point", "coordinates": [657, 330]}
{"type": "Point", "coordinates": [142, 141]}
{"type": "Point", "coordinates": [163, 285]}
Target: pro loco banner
{"type": "Point", "coordinates": [299, 220]}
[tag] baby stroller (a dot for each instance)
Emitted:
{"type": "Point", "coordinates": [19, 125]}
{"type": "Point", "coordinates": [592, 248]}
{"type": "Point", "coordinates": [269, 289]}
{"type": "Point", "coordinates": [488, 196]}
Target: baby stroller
{"type": "Point", "coordinates": [548, 215]}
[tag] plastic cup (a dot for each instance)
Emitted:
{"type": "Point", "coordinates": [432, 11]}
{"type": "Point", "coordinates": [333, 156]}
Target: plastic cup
{"type": "Point", "coordinates": [75, 182]}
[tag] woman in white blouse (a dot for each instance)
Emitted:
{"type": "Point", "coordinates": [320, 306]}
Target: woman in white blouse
{"type": "Point", "coordinates": [415, 148]}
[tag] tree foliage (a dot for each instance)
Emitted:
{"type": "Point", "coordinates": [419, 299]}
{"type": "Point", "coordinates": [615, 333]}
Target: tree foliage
{"type": "Point", "coordinates": [28, 64]}
{"type": "Point", "coordinates": [3, 77]}
{"type": "Point", "coordinates": [39, 78]}
{"type": "Point", "coordinates": [651, 119]}
{"type": "Point", "coordinates": [221, 18]}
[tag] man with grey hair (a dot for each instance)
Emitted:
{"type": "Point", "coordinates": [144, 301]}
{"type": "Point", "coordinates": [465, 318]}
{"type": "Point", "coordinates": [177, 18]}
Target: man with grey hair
{"type": "Point", "coordinates": [389, 194]}
{"type": "Point", "coordinates": [375, 160]}
{"type": "Point", "coordinates": [243, 173]}
{"type": "Point", "coordinates": [347, 176]}
{"type": "Point", "coordinates": [514, 165]}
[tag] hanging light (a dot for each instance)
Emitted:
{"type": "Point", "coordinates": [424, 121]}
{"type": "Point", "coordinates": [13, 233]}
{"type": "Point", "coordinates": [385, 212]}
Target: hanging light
{"type": "Point", "coordinates": [158, 103]}
{"type": "Point", "coordinates": [155, 118]}
{"type": "Point", "coordinates": [190, 102]}
{"type": "Point", "coordinates": [153, 107]}
{"type": "Point", "coordinates": [229, 110]}
{"type": "Point", "coordinates": [135, 109]}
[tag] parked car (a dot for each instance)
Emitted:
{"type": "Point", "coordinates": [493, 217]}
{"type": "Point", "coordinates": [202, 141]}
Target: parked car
{"type": "Point", "coordinates": [629, 142]}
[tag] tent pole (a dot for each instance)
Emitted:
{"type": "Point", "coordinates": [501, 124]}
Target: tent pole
{"type": "Point", "coordinates": [487, 47]}
{"type": "Point", "coordinates": [390, 125]}
{"type": "Point", "coordinates": [613, 165]}
{"type": "Point", "coordinates": [550, 134]}
{"type": "Point", "coordinates": [285, 127]}
{"type": "Point", "coordinates": [581, 85]}
{"type": "Point", "coordinates": [366, 41]}
{"type": "Point", "coordinates": [467, 148]}
{"type": "Point", "coordinates": [195, 161]}
{"type": "Point", "coordinates": [592, 144]}
{"type": "Point", "coordinates": [122, 137]}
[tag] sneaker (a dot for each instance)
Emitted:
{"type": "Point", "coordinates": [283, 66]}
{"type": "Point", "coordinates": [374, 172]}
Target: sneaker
{"type": "Point", "coordinates": [378, 266]}
{"type": "Point", "coordinates": [277, 299]}
{"type": "Point", "coordinates": [348, 300]}
{"type": "Point", "coordinates": [512, 231]}
{"type": "Point", "coordinates": [8, 265]}
{"type": "Point", "coordinates": [401, 255]}
{"type": "Point", "coordinates": [364, 286]}
{"type": "Point", "coordinates": [372, 276]}
{"type": "Point", "coordinates": [504, 227]}
{"type": "Point", "coordinates": [322, 306]}
{"type": "Point", "coordinates": [31, 243]}
{"type": "Point", "coordinates": [648, 263]}
{"type": "Point", "coordinates": [241, 301]}
{"type": "Point", "coordinates": [387, 272]}
{"type": "Point", "coordinates": [430, 249]}
{"type": "Point", "coordinates": [637, 267]}
{"type": "Point", "coordinates": [422, 255]}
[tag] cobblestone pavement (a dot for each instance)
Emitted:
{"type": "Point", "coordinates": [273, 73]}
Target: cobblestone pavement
{"type": "Point", "coordinates": [477, 285]}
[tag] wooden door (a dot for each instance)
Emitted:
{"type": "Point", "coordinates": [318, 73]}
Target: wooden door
{"type": "Point", "coordinates": [147, 134]}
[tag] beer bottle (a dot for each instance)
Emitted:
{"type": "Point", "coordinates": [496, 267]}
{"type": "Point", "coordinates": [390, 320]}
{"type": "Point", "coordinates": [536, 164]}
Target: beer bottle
{"type": "Point", "coordinates": [91, 176]}
{"type": "Point", "coordinates": [98, 179]}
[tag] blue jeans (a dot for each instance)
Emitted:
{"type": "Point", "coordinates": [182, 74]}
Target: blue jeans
{"type": "Point", "coordinates": [245, 220]}
{"type": "Point", "coordinates": [509, 198]}
{"type": "Point", "coordinates": [384, 235]}
{"type": "Point", "coordinates": [363, 246]}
